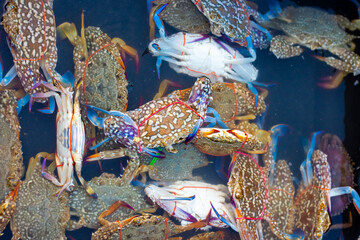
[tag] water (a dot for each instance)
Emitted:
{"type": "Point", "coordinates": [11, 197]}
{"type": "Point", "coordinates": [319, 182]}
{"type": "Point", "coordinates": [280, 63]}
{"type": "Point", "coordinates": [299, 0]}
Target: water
{"type": "Point", "coordinates": [295, 100]}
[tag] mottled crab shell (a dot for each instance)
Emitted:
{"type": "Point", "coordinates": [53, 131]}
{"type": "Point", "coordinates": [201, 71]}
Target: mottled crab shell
{"type": "Point", "coordinates": [164, 121]}
{"type": "Point", "coordinates": [31, 30]}
{"type": "Point", "coordinates": [11, 158]}
{"type": "Point", "coordinates": [184, 16]}
{"type": "Point", "coordinates": [311, 27]}
{"type": "Point", "coordinates": [227, 17]}
{"type": "Point", "coordinates": [247, 185]}
{"type": "Point", "coordinates": [310, 203]}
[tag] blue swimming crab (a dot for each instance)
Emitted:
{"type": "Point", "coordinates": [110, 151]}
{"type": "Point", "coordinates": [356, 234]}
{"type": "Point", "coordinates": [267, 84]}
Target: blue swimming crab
{"type": "Point", "coordinates": [255, 193]}
{"type": "Point", "coordinates": [316, 29]}
{"type": "Point", "coordinates": [30, 26]}
{"type": "Point", "coordinates": [158, 123]}
{"type": "Point", "coordinates": [39, 214]}
{"type": "Point", "coordinates": [85, 210]}
{"type": "Point", "coordinates": [11, 158]}
{"type": "Point", "coordinates": [98, 62]}
{"type": "Point", "coordinates": [313, 199]}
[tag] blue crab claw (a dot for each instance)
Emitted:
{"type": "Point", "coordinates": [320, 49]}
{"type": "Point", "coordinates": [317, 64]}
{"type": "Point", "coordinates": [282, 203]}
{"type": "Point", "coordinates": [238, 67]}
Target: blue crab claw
{"type": "Point", "coordinates": [50, 108]}
{"type": "Point", "coordinates": [217, 119]}
{"type": "Point", "coordinates": [94, 118]}
{"type": "Point", "coordinates": [223, 219]}
{"type": "Point", "coordinates": [158, 21]}
{"type": "Point", "coordinates": [194, 132]}
{"type": "Point", "coordinates": [128, 120]}
{"type": "Point", "coordinates": [153, 152]}
{"type": "Point", "coordinates": [305, 167]}
{"type": "Point", "coordinates": [10, 75]}
{"type": "Point", "coordinates": [347, 190]}
{"type": "Point", "coordinates": [22, 102]}
{"type": "Point", "coordinates": [177, 198]}
{"type": "Point", "coordinates": [254, 91]}
{"type": "Point", "coordinates": [68, 79]}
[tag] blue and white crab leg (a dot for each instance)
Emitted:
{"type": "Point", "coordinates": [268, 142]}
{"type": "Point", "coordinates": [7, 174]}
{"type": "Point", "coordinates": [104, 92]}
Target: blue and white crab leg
{"type": "Point", "coordinates": [158, 22]}
{"type": "Point", "coordinates": [215, 119]}
{"type": "Point", "coordinates": [346, 190]}
{"type": "Point", "coordinates": [10, 75]}
{"type": "Point", "coordinates": [274, 11]}
{"type": "Point", "coordinates": [234, 227]}
{"type": "Point", "coordinates": [305, 167]}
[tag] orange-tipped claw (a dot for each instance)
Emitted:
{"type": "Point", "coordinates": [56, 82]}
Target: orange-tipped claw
{"type": "Point", "coordinates": [331, 82]}
{"type": "Point", "coordinates": [93, 157]}
{"type": "Point", "coordinates": [12, 196]}
{"type": "Point", "coordinates": [121, 45]}
{"type": "Point", "coordinates": [238, 134]}
{"type": "Point", "coordinates": [115, 206]}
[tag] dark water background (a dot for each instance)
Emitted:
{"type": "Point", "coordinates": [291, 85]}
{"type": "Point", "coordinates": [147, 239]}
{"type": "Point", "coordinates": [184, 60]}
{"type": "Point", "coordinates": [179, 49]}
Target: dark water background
{"type": "Point", "coordinates": [295, 101]}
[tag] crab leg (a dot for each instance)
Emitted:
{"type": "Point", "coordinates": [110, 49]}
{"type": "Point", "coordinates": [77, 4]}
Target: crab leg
{"type": "Point", "coordinates": [10, 75]}
{"type": "Point", "coordinates": [347, 190]}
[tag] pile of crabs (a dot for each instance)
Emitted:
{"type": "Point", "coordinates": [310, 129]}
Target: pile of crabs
{"type": "Point", "coordinates": [166, 138]}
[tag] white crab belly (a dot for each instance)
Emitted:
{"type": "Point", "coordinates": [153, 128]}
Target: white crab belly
{"type": "Point", "coordinates": [70, 141]}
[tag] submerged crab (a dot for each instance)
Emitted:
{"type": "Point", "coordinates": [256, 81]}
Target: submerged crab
{"type": "Point", "coordinates": [99, 64]}
{"type": "Point", "coordinates": [340, 167]}
{"type": "Point", "coordinates": [256, 196]}
{"type": "Point", "coordinates": [192, 201]}
{"type": "Point", "coordinates": [11, 158]}
{"type": "Point", "coordinates": [109, 189]}
{"type": "Point", "coordinates": [147, 226]}
{"type": "Point", "coordinates": [31, 30]}
{"type": "Point", "coordinates": [180, 14]}
{"type": "Point", "coordinates": [158, 123]}
{"type": "Point", "coordinates": [177, 166]}
{"type": "Point", "coordinates": [39, 214]}
{"type": "Point", "coordinates": [315, 29]}
{"type": "Point", "coordinates": [313, 199]}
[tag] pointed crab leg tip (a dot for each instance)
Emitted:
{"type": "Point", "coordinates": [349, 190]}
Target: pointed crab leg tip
{"type": "Point", "coordinates": [94, 196]}
{"type": "Point", "coordinates": [126, 205]}
{"type": "Point", "coordinates": [93, 157]}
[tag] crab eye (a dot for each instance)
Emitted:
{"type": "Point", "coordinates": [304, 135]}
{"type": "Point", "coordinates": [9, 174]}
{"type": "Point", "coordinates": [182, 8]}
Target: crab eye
{"type": "Point", "coordinates": [156, 46]}
{"type": "Point", "coordinates": [237, 195]}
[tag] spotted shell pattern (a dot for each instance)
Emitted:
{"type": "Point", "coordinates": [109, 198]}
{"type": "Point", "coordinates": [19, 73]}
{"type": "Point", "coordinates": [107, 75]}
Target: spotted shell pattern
{"type": "Point", "coordinates": [31, 30]}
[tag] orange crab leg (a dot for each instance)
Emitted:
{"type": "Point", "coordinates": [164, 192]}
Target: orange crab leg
{"type": "Point", "coordinates": [164, 85]}
{"type": "Point", "coordinates": [83, 40]}
{"type": "Point", "coordinates": [125, 49]}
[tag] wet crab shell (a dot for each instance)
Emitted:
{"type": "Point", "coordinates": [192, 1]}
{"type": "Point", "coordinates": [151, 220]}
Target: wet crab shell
{"type": "Point", "coordinates": [31, 33]}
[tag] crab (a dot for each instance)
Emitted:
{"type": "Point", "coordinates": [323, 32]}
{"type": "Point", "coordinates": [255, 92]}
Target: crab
{"type": "Point", "coordinates": [146, 225]}
{"type": "Point", "coordinates": [256, 196]}
{"type": "Point", "coordinates": [175, 167]}
{"type": "Point", "coordinates": [70, 136]}
{"type": "Point", "coordinates": [313, 199]}
{"type": "Point", "coordinates": [340, 167]}
{"type": "Point", "coordinates": [158, 123]}
{"type": "Point", "coordinates": [30, 26]}
{"type": "Point", "coordinates": [109, 189]}
{"type": "Point", "coordinates": [39, 214]}
{"type": "Point", "coordinates": [315, 29]}
{"type": "Point", "coordinates": [222, 142]}
{"type": "Point", "coordinates": [180, 14]}
{"type": "Point", "coordinates": [8, 207]}
{"type": "Point", "coordinates": [192, 201]}
{"type": "Point", "coordinates": [11, 158]}
{"type": "Point", "coordinates": [98, 62]}
{"type": "Point", "coordinates": [234, 102]}
{"type": "Point", "coordinates": [198, 55]}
